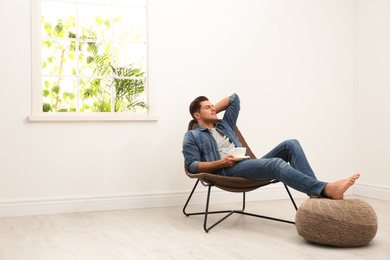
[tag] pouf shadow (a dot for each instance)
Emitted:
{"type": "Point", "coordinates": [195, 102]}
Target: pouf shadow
{"type": "Point", "coordinates": [350, 222]}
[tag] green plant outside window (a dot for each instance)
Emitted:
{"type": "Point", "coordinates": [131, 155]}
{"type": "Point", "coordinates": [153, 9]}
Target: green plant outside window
{"type": "Point", "coordinates": [93, 63]}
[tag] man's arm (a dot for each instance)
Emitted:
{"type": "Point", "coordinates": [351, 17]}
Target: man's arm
{"type": "Point", "coordinates": [192, 157]}
{"type": "Point", "coordinates": [226, 162]}
{"type": "Point", "coordinates": [232, 109]}
{"type": "Point", "coordinates": [222, 105]}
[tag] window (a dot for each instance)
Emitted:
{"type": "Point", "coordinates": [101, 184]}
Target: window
{"type": "Point", "coordinates": [90, 59]}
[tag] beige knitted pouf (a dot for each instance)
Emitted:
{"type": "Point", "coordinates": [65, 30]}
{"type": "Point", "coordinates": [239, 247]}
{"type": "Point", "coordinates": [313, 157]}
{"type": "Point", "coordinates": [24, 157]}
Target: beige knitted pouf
{"type": "Point", "coordinates": [349, 222]}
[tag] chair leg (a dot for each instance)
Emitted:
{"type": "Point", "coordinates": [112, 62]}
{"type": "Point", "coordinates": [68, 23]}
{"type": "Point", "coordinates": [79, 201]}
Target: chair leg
{"type": "Point", "coordinates": [208, 198]}
{"type": "Point", "coordinates": [189, 198]}
{"type": "Point", "coordinates": [207, 212]}
{"type": "Point", "coordinates": [230, 212]}
{"type": "Point", "coordinates": [291, 198]}
{"type": "Point", "coordinates": [243, 201]}
{"type": "Point", "coordinates": [207, 229]}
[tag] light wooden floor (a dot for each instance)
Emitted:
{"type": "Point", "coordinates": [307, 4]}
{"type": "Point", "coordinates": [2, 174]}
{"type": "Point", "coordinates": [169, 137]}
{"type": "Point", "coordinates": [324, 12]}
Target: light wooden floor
{"type": "Point", "coordinates": [165, 233]}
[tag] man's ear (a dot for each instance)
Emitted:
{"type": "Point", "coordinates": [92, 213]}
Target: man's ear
{"type": "Point", "coordinates": [197, 115]}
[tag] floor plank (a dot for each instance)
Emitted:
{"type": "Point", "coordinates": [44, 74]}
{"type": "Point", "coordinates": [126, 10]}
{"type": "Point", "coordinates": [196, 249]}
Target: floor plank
{"type": "Point", "coordinates": [18, 247]}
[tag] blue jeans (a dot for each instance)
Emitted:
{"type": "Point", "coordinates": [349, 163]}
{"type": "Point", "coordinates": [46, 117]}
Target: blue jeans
{"type": "Point", "coordinates": [287, 163]}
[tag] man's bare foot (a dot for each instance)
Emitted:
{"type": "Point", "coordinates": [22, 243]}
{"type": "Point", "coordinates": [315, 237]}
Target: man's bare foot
{"type": "Point", "coordinates": [335, 190]}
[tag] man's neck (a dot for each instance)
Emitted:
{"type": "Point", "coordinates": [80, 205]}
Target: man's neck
{"type": "Point", "coordinates": [206, 124]}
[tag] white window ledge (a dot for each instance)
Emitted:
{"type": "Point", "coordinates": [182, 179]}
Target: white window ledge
{"type": "Point", "coordinates": [58, 117]}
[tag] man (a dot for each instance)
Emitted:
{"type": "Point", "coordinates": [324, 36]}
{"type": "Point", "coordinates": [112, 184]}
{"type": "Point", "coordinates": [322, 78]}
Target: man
{"type": "Point", "coordinates": [208, 149]}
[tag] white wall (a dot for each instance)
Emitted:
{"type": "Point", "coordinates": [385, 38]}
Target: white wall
{"type": "Point", "coordinates": [372, 91]}
{"type": "Point", "coordinates": [291, 62]}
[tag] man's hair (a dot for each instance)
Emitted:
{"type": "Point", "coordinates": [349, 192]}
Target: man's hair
{"type": "Point", "coordinates": [195, 105]}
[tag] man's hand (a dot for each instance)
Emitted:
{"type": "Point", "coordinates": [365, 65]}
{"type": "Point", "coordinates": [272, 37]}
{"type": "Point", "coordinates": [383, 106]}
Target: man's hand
{"type": "Point", "coordinates": [226, 162]}
{"type": "Point", "coordinates": [230, 160]}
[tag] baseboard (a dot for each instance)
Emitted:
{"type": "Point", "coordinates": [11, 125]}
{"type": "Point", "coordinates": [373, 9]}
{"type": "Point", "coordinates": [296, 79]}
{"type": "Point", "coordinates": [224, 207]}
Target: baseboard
{"type": "Point", "coordinates": [132, 201]}
{"type": "Point", "coordinates": [164, 199]}
{"type": "Point", "coordinates": [372, 191]}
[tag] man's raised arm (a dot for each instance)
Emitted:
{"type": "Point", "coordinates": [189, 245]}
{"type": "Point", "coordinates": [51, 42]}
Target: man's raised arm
{"type": "Point", "coordinates": [222, 105]}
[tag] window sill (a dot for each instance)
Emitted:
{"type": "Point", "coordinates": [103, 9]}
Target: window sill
{"type": "Point", "coordinates": [68, 117]}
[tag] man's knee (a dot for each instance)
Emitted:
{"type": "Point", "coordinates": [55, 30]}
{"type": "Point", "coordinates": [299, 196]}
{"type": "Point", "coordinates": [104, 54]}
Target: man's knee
{"type": "Point", "coordinates": [292, 143]}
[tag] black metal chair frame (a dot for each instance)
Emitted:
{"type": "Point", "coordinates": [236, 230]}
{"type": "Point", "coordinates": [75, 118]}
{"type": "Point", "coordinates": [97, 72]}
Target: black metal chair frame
{"type": "Point", "coordinates": [230, 212]}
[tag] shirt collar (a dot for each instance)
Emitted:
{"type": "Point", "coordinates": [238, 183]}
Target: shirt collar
{"type": "Point", "coordinates": [202, 128]}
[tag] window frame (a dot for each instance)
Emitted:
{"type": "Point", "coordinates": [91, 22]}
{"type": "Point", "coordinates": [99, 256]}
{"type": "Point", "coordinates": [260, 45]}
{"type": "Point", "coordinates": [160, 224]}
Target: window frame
{"type": "Point", "coordinates": [37, 113]}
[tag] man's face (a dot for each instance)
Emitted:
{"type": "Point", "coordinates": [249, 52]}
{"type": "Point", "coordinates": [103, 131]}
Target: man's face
{"type": "Point", "coordinates": [207, 112]}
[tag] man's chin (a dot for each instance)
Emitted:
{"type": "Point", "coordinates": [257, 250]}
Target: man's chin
{"type": "Point", "coordinates": [213, 120]}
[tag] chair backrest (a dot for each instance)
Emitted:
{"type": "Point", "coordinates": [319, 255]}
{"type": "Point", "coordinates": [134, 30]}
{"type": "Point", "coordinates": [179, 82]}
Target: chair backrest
{"type": "Point", "coordinates": [193, 125]}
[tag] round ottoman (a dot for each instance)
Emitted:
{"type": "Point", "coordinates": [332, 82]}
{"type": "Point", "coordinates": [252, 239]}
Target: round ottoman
{"type": "Point", "coordinates": [349, 222]}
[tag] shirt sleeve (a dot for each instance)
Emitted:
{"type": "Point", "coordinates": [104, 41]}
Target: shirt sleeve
{"type": "Point", "coordinates": [232, 111]}
{"type": "Point", "coordinates": [191, 152]}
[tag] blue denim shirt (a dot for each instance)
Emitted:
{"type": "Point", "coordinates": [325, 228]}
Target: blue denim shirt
{"type": "Point", "coordinates": [200, 146]}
